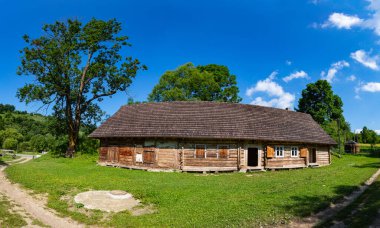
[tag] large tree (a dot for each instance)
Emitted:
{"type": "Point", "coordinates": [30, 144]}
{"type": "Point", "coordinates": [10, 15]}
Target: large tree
{"type": "Point", "coordinates": [326, 108]}
{"type": "Point", "coordinates": [319, 100]}
{"type": "Point", "coordinates": [206, 83]}
{"type": "Point", "coordinates": [74, 66]}
{"type": "Point", "coordinates": [368, 136]}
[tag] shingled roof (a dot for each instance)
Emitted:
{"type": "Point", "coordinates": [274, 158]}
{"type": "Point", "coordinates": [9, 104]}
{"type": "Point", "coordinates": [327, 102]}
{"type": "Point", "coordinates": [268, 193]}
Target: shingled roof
{"type": "Point", "coordinates": [212, 120]}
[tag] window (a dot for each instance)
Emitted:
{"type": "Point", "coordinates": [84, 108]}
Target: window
{"type": "Point", "coordinates": [223, 151]}
{"type": "Point", "coordinates": [279, 151]}
{"type": "Point", "coordinates": [294, 151]}
{"type": "Point", "coordinates": [200, 151]}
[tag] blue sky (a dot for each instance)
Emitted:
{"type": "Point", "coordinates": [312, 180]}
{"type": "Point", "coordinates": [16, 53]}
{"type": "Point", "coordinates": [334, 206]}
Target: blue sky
{"type": "Point", "coordinates": [273, 47]}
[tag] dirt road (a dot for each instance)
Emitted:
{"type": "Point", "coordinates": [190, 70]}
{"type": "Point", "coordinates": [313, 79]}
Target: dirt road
{"type": "Point", "coordinates": [33, 206]}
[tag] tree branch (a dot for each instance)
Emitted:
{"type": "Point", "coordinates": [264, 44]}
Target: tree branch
{"type": "Point", "coordinates": [96, 96]}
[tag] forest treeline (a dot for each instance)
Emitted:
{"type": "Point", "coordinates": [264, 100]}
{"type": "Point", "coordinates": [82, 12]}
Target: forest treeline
{"type": "Point", "coordinates": [24, 132]}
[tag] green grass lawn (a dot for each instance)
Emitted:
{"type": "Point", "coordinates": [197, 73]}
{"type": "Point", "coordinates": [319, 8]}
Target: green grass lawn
{"type": "Point", "coordinates": [7, 158]}
{"type": "Point", "coordinates": [185, 199]}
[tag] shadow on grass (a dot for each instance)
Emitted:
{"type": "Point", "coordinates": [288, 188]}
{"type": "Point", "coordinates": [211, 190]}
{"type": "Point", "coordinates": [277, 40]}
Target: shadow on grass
{"type": "Point", "coordinates": [2, 163]}
{"type": "Point", "coordinates": [304, 206]}
{"type": "Point", "coordinates": [361, 213]}
{"type": "Point", "coordinates": [369, 165]}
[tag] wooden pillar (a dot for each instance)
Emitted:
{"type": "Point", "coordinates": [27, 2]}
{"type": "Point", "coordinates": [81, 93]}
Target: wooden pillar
{"type": "Point", "coordinates": [238, 157]}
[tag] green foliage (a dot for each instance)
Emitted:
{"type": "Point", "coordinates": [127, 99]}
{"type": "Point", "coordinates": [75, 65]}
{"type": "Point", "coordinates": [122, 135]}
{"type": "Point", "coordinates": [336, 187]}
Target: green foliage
{"type": "Point", "coordinates": [35, 132]}
{"type": "Point", "coordinates": [206, 83]}
{"type": "Point", "coordinates": [24, 146]}
{"type": "Point", "coordinates": [368, 136]}
{"type": "Point", "coordinates": [10, 133]}
{"type": "Point", "coordinates": [74, 66]}
{"type": "Point", "coordinates": [7, 108]}
{"type": "Point", "coordinates": [39, 143]}
{"type": "Point", "coordinates": [326, 108]}
{"type": "Point", "coordinates": [321, 103]}
{"type": "Point", "coordinates": [186, 200]}
{"type": "Point", "coordinates": [10, 143]}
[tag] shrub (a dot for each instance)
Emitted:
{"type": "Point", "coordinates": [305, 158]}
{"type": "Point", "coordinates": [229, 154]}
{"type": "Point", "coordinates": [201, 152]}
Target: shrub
{"type": "Point", "coordinates": [10, 143]}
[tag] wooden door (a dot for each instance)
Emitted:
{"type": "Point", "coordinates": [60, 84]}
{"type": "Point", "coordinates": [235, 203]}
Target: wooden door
{"type": "Point", "coordinates": [253, 157]}
{"type": "Point", "coordinates": [113, 154]}
{"type": "Point", "coordinates": [313, 156]}
{"type": "Point", "coordinates": [149, 156]}
{"type": "Point", "coordinates": [200, 151]}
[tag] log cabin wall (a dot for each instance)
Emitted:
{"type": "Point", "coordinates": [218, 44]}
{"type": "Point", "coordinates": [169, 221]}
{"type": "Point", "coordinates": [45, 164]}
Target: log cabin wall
{"type": "Point", "coordinates": [286, 160]}
{"type": "Point", "coordinates": [180, 154]}
{"type": "Point", "coordinates": [323, 156]}
{"type": "Point", "coordinates": [209, 154]}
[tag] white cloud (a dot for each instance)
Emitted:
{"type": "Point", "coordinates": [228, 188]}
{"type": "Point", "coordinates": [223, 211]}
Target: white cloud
{"type": "Point", "coordinates": [351, 78]}
{"type": "Point", "coordinates": [342, 21]}
{"type": "Point", "coordinates": [371, 87]}
{"type": "Point", "coordinates": [334, 68]}
{"type": "Point", "coordinates": [363, 57]}
{"type": "Point", "coordinates": [288, 62]}
{"type": "Point", "coordinates": [374, 21]}
{"type": "Point", "coordinates": [279, 98]}
{"type": "Point", "coordinates": [295, 75]}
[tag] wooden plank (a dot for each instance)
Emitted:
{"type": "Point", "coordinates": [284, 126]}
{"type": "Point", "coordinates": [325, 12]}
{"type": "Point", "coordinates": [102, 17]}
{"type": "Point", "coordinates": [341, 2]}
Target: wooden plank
{"type": "Point", "coordinates": [270, 152]}
{"type": "Point", "coordinates": [207, 169]}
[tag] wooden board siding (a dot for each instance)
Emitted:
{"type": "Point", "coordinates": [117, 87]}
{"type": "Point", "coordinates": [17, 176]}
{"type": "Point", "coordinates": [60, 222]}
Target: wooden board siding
{"type": "Point", "coordinates": [126, 155]}
{"type": "Point", "coordinates": [168, 158]}
{"type": "Point", "coordinates": [323, 156]}
{"type": "Point", "coordinates": [287, 160]}
{"type": "Point", "coordinates": [103, 151]}
{"type": "Point", "coordinates": [113, 154]}
{"type": "Point", "coordinates": [211, 158]}
{"type": "Point", "coordinates": [216, 154]}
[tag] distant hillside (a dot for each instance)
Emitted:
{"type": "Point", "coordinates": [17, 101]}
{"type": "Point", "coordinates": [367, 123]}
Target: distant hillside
{"type": "Point", "coordinates": [23, 131]}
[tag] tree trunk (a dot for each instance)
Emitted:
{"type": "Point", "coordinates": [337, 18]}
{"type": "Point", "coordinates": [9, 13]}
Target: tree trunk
{"type": "Point", "coordinates": [73, 142]}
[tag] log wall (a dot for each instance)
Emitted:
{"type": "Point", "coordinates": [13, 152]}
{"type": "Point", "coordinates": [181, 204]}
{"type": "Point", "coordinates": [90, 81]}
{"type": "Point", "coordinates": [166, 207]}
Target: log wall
{"type": "Point", "coordinates": [180, 154]}
{"type": "Point", "coordinates": [323, 156]}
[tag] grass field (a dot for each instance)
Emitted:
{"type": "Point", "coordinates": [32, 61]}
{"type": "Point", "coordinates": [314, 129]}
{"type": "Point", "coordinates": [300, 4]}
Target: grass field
{"type": "Point", "coordinates": [184, 199]}
{"type": "Point", "coordinates": [362, 212]}
{"type": "Point", "coordinates": [8, 158]}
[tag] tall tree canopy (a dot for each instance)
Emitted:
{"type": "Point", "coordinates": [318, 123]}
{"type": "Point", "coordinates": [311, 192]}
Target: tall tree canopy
{"type": "Point", "coordinates": [326, 108]}
{"type": "Point", "coordinates": [320, 102]}
{"type": "Point", "coordinates": [368, 136]}
{"type": "Point", "coordinates": [75, 66]}
{"type": "Point", "coordinates": [206, 83]}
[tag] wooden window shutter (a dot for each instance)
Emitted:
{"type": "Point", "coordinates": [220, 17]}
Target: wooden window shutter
{"type": "Point", "coordinates": [200, 151]}
{"type": "Point", "coordinates": [270, 152]}
{"type": "Point", "coordinates": [149, 155]}
{"type": "Point", "coordinates": [303, 152]}
{"type": "Point", "coordinates": [223, 151]}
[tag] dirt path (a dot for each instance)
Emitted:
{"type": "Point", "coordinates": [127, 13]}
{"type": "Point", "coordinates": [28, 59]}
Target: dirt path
{"type": "Point", "coordinates": [36, 208]}
{"type": "Point", "coordinates": [334, 208]}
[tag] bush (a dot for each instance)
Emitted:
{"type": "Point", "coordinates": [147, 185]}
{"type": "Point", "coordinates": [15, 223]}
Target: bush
{"type": "Point", "coordinates": [24, 146]}
{"type": "Point", "coordinates": [10, 143]}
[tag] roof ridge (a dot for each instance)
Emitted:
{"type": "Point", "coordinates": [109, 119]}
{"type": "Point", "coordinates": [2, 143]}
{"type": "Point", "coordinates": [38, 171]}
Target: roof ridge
{"type": "Point", "coordinates": [214, 102]}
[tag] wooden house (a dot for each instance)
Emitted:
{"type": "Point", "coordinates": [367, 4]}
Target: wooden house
{"type": "Point", "coordinates": [352, 147]}
{"type": "Point", "coordinates": [211, 136]}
